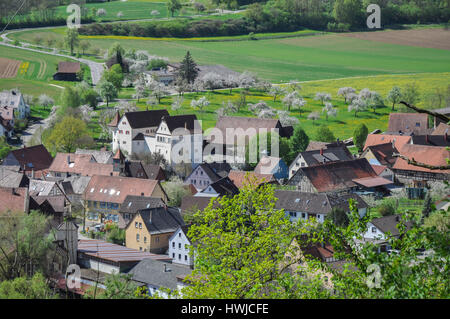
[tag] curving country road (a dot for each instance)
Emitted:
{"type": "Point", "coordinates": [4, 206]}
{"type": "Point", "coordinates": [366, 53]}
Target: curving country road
{"type": "Point", "coordinates": [95, 67]}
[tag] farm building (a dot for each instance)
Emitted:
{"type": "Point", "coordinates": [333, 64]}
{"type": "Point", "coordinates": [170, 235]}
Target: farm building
{"type": "Point", "coordinates": [67, 71]}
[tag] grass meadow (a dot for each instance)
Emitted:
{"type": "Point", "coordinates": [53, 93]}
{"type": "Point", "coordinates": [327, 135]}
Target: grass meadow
{"type": "Point", "coordinates": [306, 58]}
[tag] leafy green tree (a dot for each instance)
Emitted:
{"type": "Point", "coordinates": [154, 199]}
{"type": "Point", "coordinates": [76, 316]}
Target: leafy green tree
{"type": "Point", "coordinates": [173, 6]}
{"type": "Point", "coordinates": [411, 93]}
{"type": "Point", "coordinates": [118, 286]}
{"type": "Point", "coordinates": [90, 97]}
{"type": "Point", "coordinates": [349, 12]}
{"type": "Point", "coordinates": [71, 39]}
{"type": "Point", "coordinates": [24, 241]}
{"type": "Point", "coordinates": [339, 217]}
{"type": "Point", "coordinates": [26, 288]}
{"type": "Point", "coordinates": [70, 98]}
{"type": "Point", "coordinates": [240, 245]}
{"type": "Point", "coordinates": [298, 142]}
{"type": "Point", "coordinates": [68, 135]}
{"type": "Point", "coordinates": [114, 75]}
{"type": "Point", "coordinates": [5, 148]}
{"type": "Point", "coordinates": [427, 206]}
{"type": "Point", "coordinates": [107, 91]}
{"type": "Point", "coordinates": [394, 95]}
{"type": "Point", "coordinates": [188, 69]}
{"type": "Point", "coordinates": [175, 190]}
{"type": "Point", "coordinates": [324, 134]}
{"type": "Point", "coordinates": [360, 136]}
{"type": "Point", "coordinates": [115, 235]}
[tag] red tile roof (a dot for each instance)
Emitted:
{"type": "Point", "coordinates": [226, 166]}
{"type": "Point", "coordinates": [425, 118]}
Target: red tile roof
{"type": "Point", "coordinates": [378, 168]}
{"type": "Point", "coordinates": [376, 139]}
{"type": "Point", "coordinates": [336, 176]}
{"type": "Point", "coordinates": [13, 199]}
{"type": "Point", "coordinates": [430, 155]}
{"type": "Point", "coordinates": [115, 189]}
{"type": "Point", "coordinates": [37, 155]}
{"type": "Point", "coordinates": [82, 164]}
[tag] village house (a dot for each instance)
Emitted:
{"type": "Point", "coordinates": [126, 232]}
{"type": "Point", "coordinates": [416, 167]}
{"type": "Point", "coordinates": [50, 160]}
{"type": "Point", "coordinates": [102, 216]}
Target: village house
{"type": "Point", "coordinates": [221, 187]}
{"type": "Point", "coordinates": [126, 128]}
{"type": "Point", "coordinates": [397, 140]}
{"type": "Point", "coordinates": [384, 171]}
{"type": "Point", "coordinates": [179, 139]}
{"type": "Point", "coordinates": [34, 160]}
{"type": "Point", "coordinates": [14, 99]}
{"type": "Point", "coordinates": [408, 124]}
{"type": "Point", "coordinates": [105, 195]}
{"type": "Point", "coordinates": [300, 205]}
{"type": "Point", "coordinates": [379, 230]}
{"type": "Point", "coordinates": [272, 165]}
{"type": "Point", "coordinates": [161, 75]}
{"type": "Point", "coordinates": [320, 156]}
{"type": "Point", "coordinates": [229, 130]}
{"type": "Point", "coordinates": [67, 71]}
{"type": "Point", "coordinates": [202, 176]}
{"type": "Point", "coordinates": [70, 164]}
{"type": "Point", "coordinates": [160, 276]}
{"type": "Point", "coordinates": [150, 229]}
{"type": "Point", "coordinates": [179, 247]}
{"type": "Point", "coordinates": [380, 154]}
{"type": "Point", "coordinates": [415, 176]}
{"type": "Point", "coordinates": [133, 204]}
{"type": "Point", "coordinates": [344, 177]}
{"type": "Point", "coordinates": [44, 188]}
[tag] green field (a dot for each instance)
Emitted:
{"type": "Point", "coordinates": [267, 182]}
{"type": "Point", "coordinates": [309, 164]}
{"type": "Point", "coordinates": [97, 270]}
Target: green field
{"type": "Point", "coordinates": [304, 58]}
{"type": "Point", "coordinates": [36, 79]}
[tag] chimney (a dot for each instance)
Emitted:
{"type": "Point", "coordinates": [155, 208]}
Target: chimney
{"type": "Point", "coordinates": [13, 191]}
{"type": "Point", "coordinates": [68, 159]}
{"type": "Point", "coordinates": [32, 173]}
{"type": "Point", "coordinates": [445, 136]}
{"type": "Point", "coordinates": [321, 151]}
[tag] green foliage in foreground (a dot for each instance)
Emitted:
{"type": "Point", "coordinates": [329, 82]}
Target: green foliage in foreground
{"type": "Point", "coordinates": [26, 288]}
{"type": "Point", "coordinates": [242, 247]}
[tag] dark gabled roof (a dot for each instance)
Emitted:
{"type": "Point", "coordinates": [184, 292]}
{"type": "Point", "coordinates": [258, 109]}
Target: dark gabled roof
{"type": "Point", "coordinates": [222, 169]}
{"type": "Point", "coordinates": [330, 154]}
{"type": "Point", "coordinates": [143, 119]}
{"type": "Point", "coordinates": [50, 204]}
{"type": "Point", "coordinates": [314, 203]}
{"type": "Point", "coordinates": [161, 220]}
{"type": "Point", "coordinates": [337, 176]}
{"type": "Point", "coordinates": [224, 186]}
{"type": "Point", "coordinates": [208, 171]}
{"type": "Point", "coordinates": [384, 153]}
{"type": "Point", "coordinates": [181, 121]}
{"type": "Point", "coordinates": [389, 224]}
{"type": "Point", "coordinates": [431, 140]}
{"type": "Point", "coordinates": [132, 204]}
{"type": "Point", "coordinates": [158, 273]}
{"type": "Point", "coordinates": [153, 171]}
{"type": "Point", "coordinates": [301, 201]}
{"type": "Point", "coordinates": [342, 201]}
{"type": "Point", "coordinates": [33, 158]}
{"type": "Point", "coordinates": [69, 67]}
{"type": "Point", "coordinates": [192, 204]}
